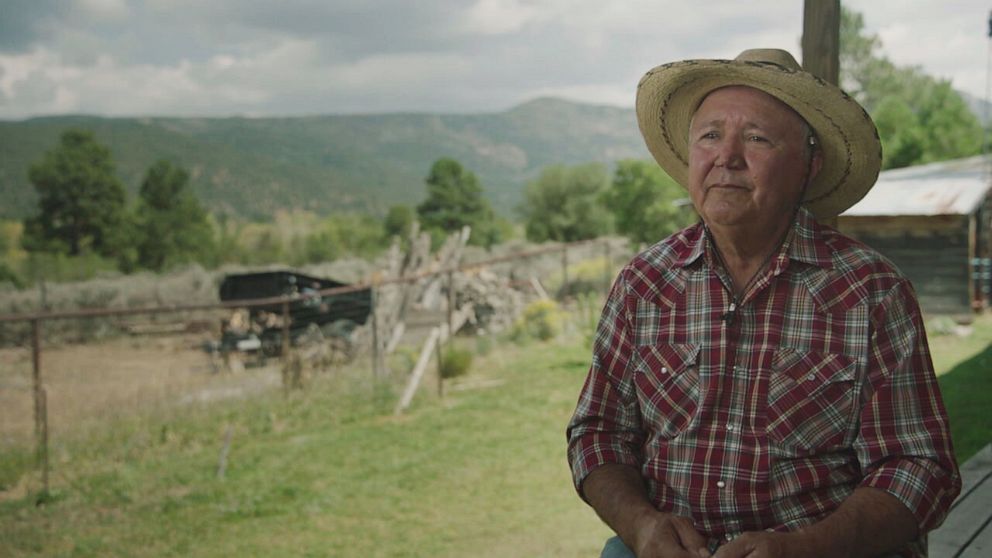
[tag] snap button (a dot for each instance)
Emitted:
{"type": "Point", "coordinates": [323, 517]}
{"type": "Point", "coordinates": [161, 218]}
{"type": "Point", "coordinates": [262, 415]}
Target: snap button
{"type": "Point", "coordinates": [721, 484]}
{"type": "Point", "coordinates": [728, 537]}
{"type": "Point", "coordinates": [811, 377]}
{"type": "Point", "coordinates": [730, 427]}
{"type": "Point", "coordinates": [664, 370]}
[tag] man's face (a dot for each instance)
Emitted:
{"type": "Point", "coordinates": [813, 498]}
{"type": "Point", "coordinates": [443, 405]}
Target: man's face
{"type": "Point", "coordinates": [748, 159]}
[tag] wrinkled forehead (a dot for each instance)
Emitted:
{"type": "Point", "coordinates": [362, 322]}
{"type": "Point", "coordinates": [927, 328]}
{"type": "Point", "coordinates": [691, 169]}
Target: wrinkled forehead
{"type": "Point", "coordinates": [746, 93]}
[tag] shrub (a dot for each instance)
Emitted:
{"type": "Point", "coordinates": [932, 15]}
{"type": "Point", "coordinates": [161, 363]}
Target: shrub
{"type": "Point", "coordinates": [541, 319]}
{"type": "Point", "coordinates": [592, 275]}
{"type": "Point", "coordinates": [455, 362]}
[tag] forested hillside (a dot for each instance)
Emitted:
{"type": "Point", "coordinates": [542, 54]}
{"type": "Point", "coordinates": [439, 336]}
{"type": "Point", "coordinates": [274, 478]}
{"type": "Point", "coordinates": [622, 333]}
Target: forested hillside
{"type": "Point", "coordinates": [252, 167]}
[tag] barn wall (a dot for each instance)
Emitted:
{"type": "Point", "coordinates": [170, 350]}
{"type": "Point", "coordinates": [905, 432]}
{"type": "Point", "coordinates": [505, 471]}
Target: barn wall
{"type": "Point", "coordinates": [932, 252]}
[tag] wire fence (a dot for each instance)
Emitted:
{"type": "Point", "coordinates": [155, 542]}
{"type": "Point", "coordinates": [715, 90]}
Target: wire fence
{"type": "Point", "coordinates": [63, 371]}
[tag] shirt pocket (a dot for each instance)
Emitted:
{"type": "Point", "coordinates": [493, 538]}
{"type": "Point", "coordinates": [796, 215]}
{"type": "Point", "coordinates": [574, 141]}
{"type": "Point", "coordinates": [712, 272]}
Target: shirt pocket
{"type": "Point", "coordinates": [811, 401]}
{"type": "Point", "coordinates": [667, 379]}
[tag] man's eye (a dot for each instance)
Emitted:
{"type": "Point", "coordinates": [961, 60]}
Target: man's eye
{"type": "Point", "coordinates": [759, 139]}
{"type": "Point", "coordinates": [709, 135]}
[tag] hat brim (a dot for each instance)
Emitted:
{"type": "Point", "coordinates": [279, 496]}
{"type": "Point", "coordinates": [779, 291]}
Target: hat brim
{"type": "Point", "coordinates": [668, 96]}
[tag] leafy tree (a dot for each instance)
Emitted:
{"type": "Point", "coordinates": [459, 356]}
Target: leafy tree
{"type": "Point", "coordinates": [81, 202]}
{"type": "Point", "coordinates": [454, 199]}
{"type": "Point", "coordinates": [901, 133]}
{"type": "Point", "coordinates": [920, 119]}
{"type": "Point", "coordinates": [173, 227]}
{"type": "Point", "coordinates": [647, 204]}
{"type": "Point", "coordinates": [399, 219]}
{"type": "Point", "coordinates": [563, 204]}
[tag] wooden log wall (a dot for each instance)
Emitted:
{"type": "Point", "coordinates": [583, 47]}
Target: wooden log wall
{"type": "Point", "coordinates": [933, 252]}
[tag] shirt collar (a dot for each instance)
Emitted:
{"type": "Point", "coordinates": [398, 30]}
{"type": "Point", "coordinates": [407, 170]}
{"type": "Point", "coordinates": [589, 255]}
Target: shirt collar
{"type": "Point", "coordinates": [806, 243]}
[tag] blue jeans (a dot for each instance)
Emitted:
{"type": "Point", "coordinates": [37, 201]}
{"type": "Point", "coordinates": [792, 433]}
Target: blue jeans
{"type": "Point", "coordinates": [616, 549]}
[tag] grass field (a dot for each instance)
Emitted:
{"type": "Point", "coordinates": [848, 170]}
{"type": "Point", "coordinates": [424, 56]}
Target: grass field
{"type": "Point", "coordinates": [330, 471]}
{"type": "Point", "coordinates": [964, 364]}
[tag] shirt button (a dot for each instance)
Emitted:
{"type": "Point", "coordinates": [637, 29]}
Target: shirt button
{"type": "Point", "coordinates": [664, 370]}
{"type": "Point", "coordinates": [730, 427]}
{"type": "Point", "coordinates": [721, 484]}
{"type": "Point", "coordinates": [811, 377]}
{"type": "Point", "coordinates": [728, 537]}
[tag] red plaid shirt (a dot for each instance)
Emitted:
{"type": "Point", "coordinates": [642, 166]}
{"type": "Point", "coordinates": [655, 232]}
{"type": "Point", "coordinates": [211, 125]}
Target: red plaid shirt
{"type": "Point", "coordinates": [820, 383]}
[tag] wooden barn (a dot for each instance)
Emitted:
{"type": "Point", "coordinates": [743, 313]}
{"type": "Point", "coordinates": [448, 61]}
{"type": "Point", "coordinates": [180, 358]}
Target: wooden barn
{"type": "Point", "coordinates": [933, 222]}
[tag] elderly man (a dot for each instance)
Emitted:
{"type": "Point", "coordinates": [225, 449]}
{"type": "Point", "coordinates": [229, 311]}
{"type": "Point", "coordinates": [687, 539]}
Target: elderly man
{"type": "Point", "coordinates": [761, 385]}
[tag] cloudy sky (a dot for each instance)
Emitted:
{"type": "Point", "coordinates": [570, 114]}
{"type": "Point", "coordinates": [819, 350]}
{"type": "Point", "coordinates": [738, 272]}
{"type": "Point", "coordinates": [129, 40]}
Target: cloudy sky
{"type": "Point", "coordinates": [296, 57]}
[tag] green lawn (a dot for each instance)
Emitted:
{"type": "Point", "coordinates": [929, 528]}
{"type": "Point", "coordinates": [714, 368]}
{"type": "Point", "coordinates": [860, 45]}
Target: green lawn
{"type": "Point", "coordinates": [330, 471]}
{"type": "Point", "coordinates": [964, 364]}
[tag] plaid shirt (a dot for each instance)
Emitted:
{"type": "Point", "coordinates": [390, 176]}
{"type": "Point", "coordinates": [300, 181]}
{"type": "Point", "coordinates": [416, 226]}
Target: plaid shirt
{"type": "Point", "coordinates": [818, 383]}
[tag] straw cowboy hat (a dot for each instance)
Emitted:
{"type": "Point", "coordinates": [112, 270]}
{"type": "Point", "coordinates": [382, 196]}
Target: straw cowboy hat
{"type": "Point", "coordinates": [668, 96]}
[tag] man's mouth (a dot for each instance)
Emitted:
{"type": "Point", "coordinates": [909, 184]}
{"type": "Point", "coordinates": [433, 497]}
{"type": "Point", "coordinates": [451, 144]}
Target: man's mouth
{"type": "Point", "coordinates": [727, 186]}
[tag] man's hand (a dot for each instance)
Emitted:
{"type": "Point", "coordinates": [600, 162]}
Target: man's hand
{"type": "Point", "coordinates": [664, 535]}
{"type": "Point", "coordinates": [763, 544]}
{"type": "Point", "coordinates": [618, 495]}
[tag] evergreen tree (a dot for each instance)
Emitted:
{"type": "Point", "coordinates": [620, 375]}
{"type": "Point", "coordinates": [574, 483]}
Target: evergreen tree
{"type": "Point", "coordinates": [454, 199]}
{"type": "Point", "coordinates": [81, 201]}
{"type": "Point", "coordinates": [173, 226]}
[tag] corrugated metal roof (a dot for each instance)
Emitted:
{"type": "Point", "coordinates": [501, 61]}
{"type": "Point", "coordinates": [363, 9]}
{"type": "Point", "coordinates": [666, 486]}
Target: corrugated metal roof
{"type": "Point", "coordinates": [945, 188]}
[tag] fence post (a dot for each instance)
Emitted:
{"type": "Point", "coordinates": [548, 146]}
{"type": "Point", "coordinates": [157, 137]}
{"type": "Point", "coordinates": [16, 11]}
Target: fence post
{"type": "Point", "coordinates": [285, 331]}
{"type": "Point", "coordinates": [376, 354]}
{"type": "Point", "coordinates": [440, 365]}
{"type": "Point", "coordinates": [608, 266]}
{"type": "Point", "coordinates": [44, 439]}
{"type": "Point", "coordinates": [36, 382]}
{"type": "Point", "coordinates": [451, 300]}
{"type": "Point", "coordinates": [40, 404]}
{"type": "Point", "coordinates": [564, 271]}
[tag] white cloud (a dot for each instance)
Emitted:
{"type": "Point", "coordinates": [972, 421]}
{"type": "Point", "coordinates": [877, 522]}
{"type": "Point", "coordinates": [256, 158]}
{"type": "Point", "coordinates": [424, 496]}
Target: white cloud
{"type": "Point", "coordinates": [104, 10]}
{"type": "Point", "coordinates": [224, 57]}
{"type": "Point", "coordinates": [497, 17]}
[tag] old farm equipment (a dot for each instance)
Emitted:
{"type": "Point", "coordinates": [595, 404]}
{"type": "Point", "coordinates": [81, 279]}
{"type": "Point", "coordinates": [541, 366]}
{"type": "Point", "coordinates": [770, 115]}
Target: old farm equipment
{"type": "Point", "coordinates": [314, 316]}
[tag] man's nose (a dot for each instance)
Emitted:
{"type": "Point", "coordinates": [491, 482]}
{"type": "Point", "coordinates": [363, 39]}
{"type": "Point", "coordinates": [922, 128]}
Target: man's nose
{"type": "Point", "coordinates": [731, 153]}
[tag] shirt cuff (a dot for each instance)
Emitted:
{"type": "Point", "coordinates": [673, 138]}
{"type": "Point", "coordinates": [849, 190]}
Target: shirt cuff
{"type": "Point", "coordinates": [923, 487]}
{"type": "Point", "coordinates": [590, 451]}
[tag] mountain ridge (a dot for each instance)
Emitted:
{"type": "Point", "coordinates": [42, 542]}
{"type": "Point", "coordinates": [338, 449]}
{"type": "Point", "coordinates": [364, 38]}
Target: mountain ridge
{"type": "Point", "coordinates": [254, 166]}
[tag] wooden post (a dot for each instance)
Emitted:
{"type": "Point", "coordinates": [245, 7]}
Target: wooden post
{"type": "Point", "coordinates": [376, 349]}
{"type": "Point", "coordinates": [607, 267]}
{"type": "Point", "coordinates": [44, 439]}
{"type": "Point", "coordinates": [821, 47]}
{"type": "Point", "coordinates": [440, 363]}
{"type": "Point", "coordinates": [285, 331]}
{"type": "Point", "coordinates": [821, 39]}
{"type": "Point", "coordinates": [451, 297]}
{"type": "Point", "coordinates": [38, 389]}
{"type": "Point", "coordinates": [564, 270]}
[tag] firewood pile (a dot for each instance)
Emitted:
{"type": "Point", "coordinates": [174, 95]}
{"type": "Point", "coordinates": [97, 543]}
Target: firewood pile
{"type": "Point", "coordinates": [497, 304]}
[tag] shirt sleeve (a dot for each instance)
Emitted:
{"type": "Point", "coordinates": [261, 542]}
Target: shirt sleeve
{"type": "Point", "coordinates": [605, 427]}
{"type": "Point", "coordinates": [904, 445]}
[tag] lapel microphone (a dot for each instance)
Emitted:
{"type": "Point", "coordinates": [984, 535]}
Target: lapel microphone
{"type": "Point", "coordinates": [728, 316]}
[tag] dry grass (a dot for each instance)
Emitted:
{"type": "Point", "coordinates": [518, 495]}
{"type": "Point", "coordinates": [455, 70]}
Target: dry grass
{"type": "Point", "coordinates": [90, 384]}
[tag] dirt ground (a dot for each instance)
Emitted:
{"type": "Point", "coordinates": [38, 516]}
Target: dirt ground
{"type": "Point", "coordinates": [87, 384]}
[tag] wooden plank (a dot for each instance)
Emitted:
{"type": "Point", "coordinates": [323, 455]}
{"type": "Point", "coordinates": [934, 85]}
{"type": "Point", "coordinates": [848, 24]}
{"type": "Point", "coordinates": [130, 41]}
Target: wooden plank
{"type": "Point", "coordinates": [971, 513]}
{"type": "Point", "coordinates": [418, 370]}
{"type": "Point", "coordinates": [981, 547]}
{"type": "Point", "coordinates": [965, 520]}
{"type": "Point", "coordinates": [974, 471]}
